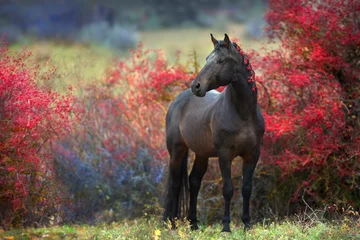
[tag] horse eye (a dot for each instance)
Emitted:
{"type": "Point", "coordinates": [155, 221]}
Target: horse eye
{"type": "Point", "coordinates": [221, 60]}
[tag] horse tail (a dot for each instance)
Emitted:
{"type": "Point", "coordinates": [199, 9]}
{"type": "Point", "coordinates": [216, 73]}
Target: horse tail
{"type": "Point", "coordinates": [183, 205]}
{"type": "Point", "coordinates": [184, 192]}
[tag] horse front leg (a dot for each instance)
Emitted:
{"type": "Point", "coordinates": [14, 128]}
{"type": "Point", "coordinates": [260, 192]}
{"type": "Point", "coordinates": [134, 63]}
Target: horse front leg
{"type": "Point", "coordinates": [196, 175]}
{"type": "Point", "coordinates": [248, 172]}
{"type": "Point", "coordinates": [225, 160]}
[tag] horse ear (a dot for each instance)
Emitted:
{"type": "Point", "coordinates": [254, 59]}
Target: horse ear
{"type": "Point", "coordinates": [227, 41]}
{"type": "Point", "coordinates": [214, 41]}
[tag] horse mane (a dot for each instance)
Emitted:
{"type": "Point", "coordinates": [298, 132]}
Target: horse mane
{"type": "Point", "coordinates": [251, 78]}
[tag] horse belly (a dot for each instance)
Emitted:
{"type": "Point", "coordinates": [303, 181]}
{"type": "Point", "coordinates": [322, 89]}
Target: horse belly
{"type": "Point", "coordinates": [199, 141]}
{"type": "Point", "coordinates": [194, 124]}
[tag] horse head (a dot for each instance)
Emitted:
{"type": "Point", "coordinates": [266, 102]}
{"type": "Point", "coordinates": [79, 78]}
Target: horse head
{"type": "Point", "coordinates": [221, 65]}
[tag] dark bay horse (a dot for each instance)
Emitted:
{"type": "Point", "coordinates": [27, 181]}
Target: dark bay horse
{"type": "Point", "coordinates": [213, 124]}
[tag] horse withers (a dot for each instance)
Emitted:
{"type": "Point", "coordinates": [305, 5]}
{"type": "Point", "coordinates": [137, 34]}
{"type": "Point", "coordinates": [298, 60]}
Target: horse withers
{"type": "Point", "coordinates": [213, 124]}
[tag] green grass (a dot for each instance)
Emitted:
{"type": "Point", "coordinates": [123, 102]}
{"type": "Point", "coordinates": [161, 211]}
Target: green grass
{"type": "Point", "coordinates": [155, 229]}
{"type": "Point", "coordinates": [75, 63]}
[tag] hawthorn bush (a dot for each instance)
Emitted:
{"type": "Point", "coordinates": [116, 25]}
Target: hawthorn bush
{"type": "Point", "coordinates": [30, 118]}
{"type": "Point", "coordinates": [313, 87]}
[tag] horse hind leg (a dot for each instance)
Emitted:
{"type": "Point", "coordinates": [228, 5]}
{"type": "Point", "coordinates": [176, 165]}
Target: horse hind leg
{"type": "Point", "coordinates": [248, 173]}
{"type": "Point", "coordinates": [177, 169]}
{"type": "Point", "coordinates": [196, 175]}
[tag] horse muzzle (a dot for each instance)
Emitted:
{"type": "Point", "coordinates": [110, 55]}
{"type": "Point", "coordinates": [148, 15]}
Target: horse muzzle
{"type": "Point", "coordinates": [197, 89]}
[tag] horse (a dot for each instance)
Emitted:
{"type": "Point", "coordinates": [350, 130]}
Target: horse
{"type": "Point", "coordinates": [213, 124]}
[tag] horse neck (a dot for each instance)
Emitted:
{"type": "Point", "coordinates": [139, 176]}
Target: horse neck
{"type": "Point", "coordinates": [242, 94]}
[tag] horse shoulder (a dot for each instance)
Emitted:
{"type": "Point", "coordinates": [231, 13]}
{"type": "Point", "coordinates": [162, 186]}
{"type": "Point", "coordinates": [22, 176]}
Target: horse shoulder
{"type": "Point", "coordinates": [236, 134]}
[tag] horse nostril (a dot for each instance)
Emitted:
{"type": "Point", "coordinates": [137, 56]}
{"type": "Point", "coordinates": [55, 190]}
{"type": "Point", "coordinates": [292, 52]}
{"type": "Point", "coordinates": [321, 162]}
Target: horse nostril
{"type": "Point", "coordinates": [197, 87]}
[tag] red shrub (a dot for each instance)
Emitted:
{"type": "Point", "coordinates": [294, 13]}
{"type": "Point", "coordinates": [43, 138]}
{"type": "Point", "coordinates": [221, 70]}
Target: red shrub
{"type": "Point", "coordinates": [29, 118]}
{"type": "Point", "coordinates": [314, 86]}
{"type": "Point", "coordinates": [149, 84]}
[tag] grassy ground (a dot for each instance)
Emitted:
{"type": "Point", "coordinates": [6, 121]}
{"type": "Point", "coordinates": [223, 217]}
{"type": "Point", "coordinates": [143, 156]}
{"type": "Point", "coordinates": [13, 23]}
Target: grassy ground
{"type": "Point", "coordinates": [154, 229]}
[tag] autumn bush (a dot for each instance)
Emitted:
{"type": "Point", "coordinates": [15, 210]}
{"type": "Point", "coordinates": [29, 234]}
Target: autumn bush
{"type": "Point", "coordinates": [31, 117]}
{"type": "Point", "coordinates": [311, 103]}
{"type": "Point", "coordinates": [114, 162]}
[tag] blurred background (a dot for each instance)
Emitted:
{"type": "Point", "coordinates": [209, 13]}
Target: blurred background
{"type": "Point", "coordinates": [100, 30]}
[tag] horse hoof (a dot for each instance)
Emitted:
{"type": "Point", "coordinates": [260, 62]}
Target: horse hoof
{"type": "Point", "coordinates": [247, 227]}
{"type": "Point", "coordinates": [194, 227]}
{"type": "Point", "coordinates": [173, 226]}
{"type": "Point", "coordinates": [226, 230]}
